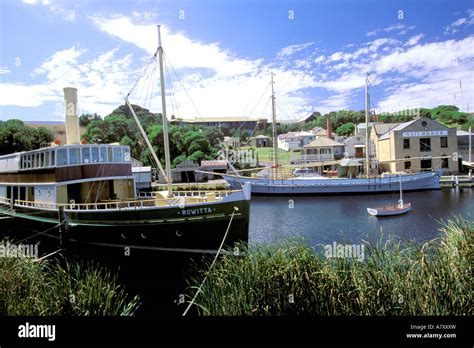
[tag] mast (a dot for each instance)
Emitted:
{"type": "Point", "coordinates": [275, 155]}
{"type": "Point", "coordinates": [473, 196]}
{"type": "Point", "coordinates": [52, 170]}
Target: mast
{"type": "Point", "coordinates": [400, 202]}
{"type": "Point", "coordinates": [367, 158]}
{"type": "Point", "coordinates": [470, 144]}
{"type": "Point", "coordinates": [168, 176]}
{"type": "Point", "coordinates": [274, 135]}
{"type": "Point", "coordinates": [145, 136]}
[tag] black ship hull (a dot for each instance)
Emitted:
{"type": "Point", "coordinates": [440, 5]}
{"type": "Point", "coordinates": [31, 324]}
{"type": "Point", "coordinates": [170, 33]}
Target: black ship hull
{"type": "Point", "coordinates": [198, 229]}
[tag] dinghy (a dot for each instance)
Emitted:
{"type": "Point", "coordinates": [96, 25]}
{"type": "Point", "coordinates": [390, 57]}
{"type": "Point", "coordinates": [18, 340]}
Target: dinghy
{"type": "Point", "coordinates": [390, 210]}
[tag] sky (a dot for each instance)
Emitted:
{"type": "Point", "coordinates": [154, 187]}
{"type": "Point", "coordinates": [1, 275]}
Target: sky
{"type": "Point", "coordinates": [219, 56]}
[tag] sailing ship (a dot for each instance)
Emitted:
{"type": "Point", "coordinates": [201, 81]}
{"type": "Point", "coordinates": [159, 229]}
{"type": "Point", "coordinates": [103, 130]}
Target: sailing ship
{"type": "Point", "coordinates": [391, 210]}
{"type": "Point", "coordinates": [276, 184]}
{"type": "Point", "coordinates": [86, 194]}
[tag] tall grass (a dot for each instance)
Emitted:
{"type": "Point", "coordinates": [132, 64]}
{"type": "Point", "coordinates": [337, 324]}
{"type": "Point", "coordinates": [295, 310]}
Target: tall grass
{"type": "Point", "coordinates": [44, 288]}
{"type": "Point", "coordinates": [289, 278]}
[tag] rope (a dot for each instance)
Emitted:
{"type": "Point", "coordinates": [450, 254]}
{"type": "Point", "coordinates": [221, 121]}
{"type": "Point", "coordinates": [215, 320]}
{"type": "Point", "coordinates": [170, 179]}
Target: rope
{"type": "Point", "coordinates": [212, 264]}
{"type": "Point", "coordinates": [43, 232]}
{"type": "Point", "coordinates": [46, 256]}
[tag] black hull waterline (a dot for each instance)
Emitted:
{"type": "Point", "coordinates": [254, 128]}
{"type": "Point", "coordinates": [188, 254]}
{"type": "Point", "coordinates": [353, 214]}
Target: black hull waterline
{"type": "Point", "coordinates": [194, 229]}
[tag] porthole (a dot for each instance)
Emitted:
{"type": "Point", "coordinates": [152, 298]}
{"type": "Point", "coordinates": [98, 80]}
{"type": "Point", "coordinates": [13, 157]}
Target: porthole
{"type": "Point", "coordinates": [423, 124]}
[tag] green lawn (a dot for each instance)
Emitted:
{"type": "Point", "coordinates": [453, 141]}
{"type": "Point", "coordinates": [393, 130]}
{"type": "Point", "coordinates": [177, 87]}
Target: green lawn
{"type": "Point", "coordinates": [264, 155]}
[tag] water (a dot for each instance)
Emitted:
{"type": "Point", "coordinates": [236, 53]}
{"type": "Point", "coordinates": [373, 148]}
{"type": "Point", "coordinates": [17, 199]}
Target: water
{"type": "Point", "coordinates": [325, 219]}
{"type": "Point", "coordinates": [160, 280]}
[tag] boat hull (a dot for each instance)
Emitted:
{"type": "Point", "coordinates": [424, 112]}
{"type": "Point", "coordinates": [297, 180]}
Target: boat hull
{"type": "Point", "coordinates": [269, 187]}
{"type": "Point", "coordinates": [389, 211]}
{"type": "Point", "coordinates": [195, 229]}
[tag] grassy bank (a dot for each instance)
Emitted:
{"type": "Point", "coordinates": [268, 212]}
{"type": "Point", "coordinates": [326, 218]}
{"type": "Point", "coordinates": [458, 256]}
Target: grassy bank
{"type": "Point", "coordinates": [264, 155]}
{"type": "Point", "coordinates": [28, 287]}
{"type": "Point", "coordinates": [434, 278]}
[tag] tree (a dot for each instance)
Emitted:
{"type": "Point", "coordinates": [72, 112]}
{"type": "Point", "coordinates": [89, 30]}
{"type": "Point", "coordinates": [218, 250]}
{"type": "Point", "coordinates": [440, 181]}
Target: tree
{"type": "Point", "coordinates": [346, 129]}
{"type": "Point", "coordinates": [15, 136]}
{"type": "Point", "coordinates": [85, 119]}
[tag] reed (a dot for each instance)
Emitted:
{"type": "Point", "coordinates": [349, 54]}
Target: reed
{"type": "Point", "coordinates": [45, 288]}
{"type": "Point", "coordinates": [290, 278]}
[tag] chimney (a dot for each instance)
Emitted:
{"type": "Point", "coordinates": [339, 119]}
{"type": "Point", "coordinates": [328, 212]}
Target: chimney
{"type": "Point", "coordinates": [72, 121]}
{"type": "Point", "coordinates": [328, 127]}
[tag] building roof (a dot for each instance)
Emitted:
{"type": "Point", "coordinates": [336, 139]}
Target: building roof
{"type": "Point", "coordinates": [290, 135]}
{"type": "Point", "coordinates": [319, 131]}
{"type": "Point", "coordinates": [261, 136]}
{"type": "Point", "coordinates": [362, 125]}
{"type": "Point", "coordinates": [399, 127]}
{"type": "Point", "coordinates": [231, 139]}
{"type": "Point", "coordinates": [382, 128]}
{"type": "Point", "coordinates": [323, 142]}
{"type": "Point", "coordinates": [214, 163]}
{"type": "Point", "coordinates": [461, 132]}
{"type": "Point", "coordinates": [354, 137]}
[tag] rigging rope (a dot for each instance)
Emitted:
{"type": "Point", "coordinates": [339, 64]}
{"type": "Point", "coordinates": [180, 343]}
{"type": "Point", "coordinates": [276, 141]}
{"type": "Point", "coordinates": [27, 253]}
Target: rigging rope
{"type": "Point", "coordinates": [213, 262]}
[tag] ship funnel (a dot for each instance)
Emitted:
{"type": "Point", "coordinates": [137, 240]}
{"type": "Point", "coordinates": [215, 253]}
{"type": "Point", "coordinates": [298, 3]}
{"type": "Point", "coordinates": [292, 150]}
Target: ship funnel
{"type": "Point", "coordinates": [72, 121]}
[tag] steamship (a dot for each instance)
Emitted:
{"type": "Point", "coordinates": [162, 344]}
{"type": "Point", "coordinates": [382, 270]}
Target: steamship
{"type": "Point", "coordinates": [86, 194]}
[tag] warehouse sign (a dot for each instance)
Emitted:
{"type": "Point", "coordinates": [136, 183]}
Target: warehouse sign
{"type": "Point", "coordinates": [425, 134]}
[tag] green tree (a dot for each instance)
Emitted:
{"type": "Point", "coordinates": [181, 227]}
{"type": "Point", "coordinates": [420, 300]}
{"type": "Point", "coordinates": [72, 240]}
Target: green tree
{"type": "Point", "coordinates": [346, 129]}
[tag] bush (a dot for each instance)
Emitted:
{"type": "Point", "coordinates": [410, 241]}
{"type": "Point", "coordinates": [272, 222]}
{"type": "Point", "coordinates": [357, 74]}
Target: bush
{"type": "Point", "coordinates": [32, 288]}
{"type": "Point", "coordinates": [394, 279]}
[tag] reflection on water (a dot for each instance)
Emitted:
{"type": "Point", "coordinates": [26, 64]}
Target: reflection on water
{"type": "Point", "coordinates": [326, 219]}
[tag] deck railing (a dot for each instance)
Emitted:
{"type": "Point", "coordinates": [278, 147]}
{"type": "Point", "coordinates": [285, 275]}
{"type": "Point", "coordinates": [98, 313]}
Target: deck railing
{"type": "Point", "coordinates": [151, 199]}
{"type": "Point", "coordinates": [312, 158]}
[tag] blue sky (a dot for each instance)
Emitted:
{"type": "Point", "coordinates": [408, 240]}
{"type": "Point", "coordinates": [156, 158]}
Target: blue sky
{"type": "Point", "coordinates": [416, 53]}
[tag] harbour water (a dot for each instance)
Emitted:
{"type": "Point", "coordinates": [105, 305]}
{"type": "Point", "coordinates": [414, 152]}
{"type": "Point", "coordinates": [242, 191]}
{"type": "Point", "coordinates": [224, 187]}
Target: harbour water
{"type": "Point", "coordinates": [325, 219]}
{"type": "Point", "coordinates": [161, 279]}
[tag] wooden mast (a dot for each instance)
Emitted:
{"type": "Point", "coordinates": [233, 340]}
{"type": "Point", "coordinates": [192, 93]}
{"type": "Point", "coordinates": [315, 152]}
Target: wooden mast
{"type": "Point", "coordinates": [367, 158]}
{"type": "Point", "coordinates": [274, 135]}
{"type": "Point", "coordinates": [165, 119]}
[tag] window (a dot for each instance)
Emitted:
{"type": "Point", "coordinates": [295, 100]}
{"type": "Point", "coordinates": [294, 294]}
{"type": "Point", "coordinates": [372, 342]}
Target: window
{"type": "Point", "coordinates": [425, 144]}
{"type": "Point", "coordinates": [444, 141]}
{"type": "Point", "coordinates": [126, 154]}
{"type": "Point", "coordinates": [407, 164]}
{"type": "Point", "coordinates": [445, 162]}
{"type": "Point", "coordinates": [46, 159]}
{"type": "Point", "coordinates": [74, 157]}
{"type": "Point", "coordinates": [426, 164]}
{"type": "Point", "coordinates": [95, 155]}
{"type": "Point", "coordinates": [52, 158]}
{"type": "Point", "coordinates": [117, 154]}
{"type": "Point", "coordinates": [103, 154]}
{"type": "Point", "coordinates": [423, 124]}
{"type": "Point", "coordinates": [109, 155]}
{"type": "Point", "coordinates": [406, 143]}
{"type": "Point", "coordinates": [62, 157]}
{"type": "Point", "coordinates": [86, 155]}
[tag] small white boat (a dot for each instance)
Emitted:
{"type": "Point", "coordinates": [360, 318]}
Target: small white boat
{"type": "Point", "coordinates": [390, 210]}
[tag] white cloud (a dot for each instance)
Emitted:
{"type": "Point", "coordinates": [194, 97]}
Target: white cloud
{"type": "Point", "coordinates": [181, 50]}
{"type": "Point", "coordinates": [4, 70]}
{"type": "Point", "coordinates": [403, 29]}
{"type": "Point", "coordinates": [320, 59]}
{"type": "Point", "coordinates": [414, 40]}
{"type": "Point", "coordinates": [420, 60]}
{"type": "Point", "coordinates": [25, 95]}
{"type": "Point", "coordinates": [292, 49]}
{"type": "Point", "coordinates": [102, 81]}
{"type": "Point", "coordinates": [459, 23]}
{"type": "Point", "coordinates": [57, 9]}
